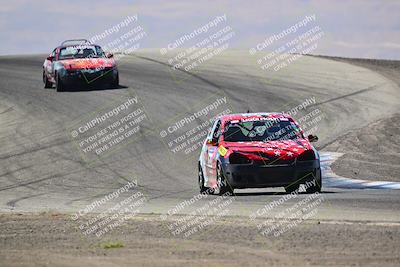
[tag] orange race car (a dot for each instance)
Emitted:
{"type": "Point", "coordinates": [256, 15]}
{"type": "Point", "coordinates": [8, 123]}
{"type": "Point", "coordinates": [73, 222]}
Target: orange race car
{"type": "Point", "coordinates": [78, 62]}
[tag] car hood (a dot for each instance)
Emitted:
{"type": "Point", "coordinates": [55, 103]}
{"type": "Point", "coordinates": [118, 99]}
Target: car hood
{"type": "Point", "coordinates": [284, 149]}
{"type": "Point", "coordinates": [88, 63]}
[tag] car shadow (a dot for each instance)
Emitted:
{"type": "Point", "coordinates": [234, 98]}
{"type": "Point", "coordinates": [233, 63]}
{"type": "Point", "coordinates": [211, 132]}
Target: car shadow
{"type": "Point", "coordinates": [275, 193]}
{"type": "Point", "coordinates": [93, 88]}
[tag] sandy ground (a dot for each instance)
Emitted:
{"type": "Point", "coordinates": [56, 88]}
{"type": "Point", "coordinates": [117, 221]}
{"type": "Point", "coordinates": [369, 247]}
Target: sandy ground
{"type": "Point", "coordinates": [375, 149]}
{"type": "Point", "coordinates": [54, 240]}
{"type": "Point", "coordinates": [376, 152]}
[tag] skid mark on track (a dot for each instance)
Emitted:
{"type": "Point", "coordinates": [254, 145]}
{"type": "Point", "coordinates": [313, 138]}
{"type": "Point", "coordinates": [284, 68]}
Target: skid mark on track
{"type": "Point", "coordinates": [7, 110]}
{"type": "Point", "coordinates": [330, 179]}
{"type": "Point", "coordinates": [12, 203]}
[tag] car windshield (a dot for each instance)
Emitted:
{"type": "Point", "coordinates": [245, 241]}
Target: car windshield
{"type": "Point", "coordinates": [261, 130]}
{"type": "Point", "coordinates": [81, 52]}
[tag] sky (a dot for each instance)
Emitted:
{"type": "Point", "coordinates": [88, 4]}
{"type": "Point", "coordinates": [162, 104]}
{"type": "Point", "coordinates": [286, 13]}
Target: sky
{"type": "Point", "coordinates": [356, 28]}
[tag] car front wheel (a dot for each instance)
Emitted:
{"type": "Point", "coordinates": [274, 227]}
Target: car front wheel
{"type": "Point", "coordinates": [47, 84]}
{"type": "Point", "coordinates": [318, 183]}
{"type": "Point", "coordinates": [222, 183]}
{"type": "Point", "coordinates": [203, 189]}
{"type": "Point", "coordinates": [59, 85]}
{"type": "Point", "coordinates": [115, 82]}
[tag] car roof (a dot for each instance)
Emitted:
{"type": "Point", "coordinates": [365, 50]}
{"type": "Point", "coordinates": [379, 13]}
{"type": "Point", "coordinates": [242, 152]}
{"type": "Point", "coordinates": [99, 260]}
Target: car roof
{"type": "Point", "coordinates": [251, 116]}
{"type": "Point", "coordinates": [63, 46]}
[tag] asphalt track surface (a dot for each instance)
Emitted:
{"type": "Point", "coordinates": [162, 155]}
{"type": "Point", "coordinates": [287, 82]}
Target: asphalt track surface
{"type": "Point", "coordinates": [41, 168]}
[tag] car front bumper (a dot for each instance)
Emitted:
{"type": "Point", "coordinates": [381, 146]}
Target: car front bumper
{"type": "Point", "coordinates": [89, 76]}
{"type": "Point", "coordinates": [268, 175]}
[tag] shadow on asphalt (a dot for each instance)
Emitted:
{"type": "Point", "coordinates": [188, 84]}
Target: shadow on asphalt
{"type": "Point", "coordinates": [276, 193]}
{"type": "Point", "coordinates": [91, 88]}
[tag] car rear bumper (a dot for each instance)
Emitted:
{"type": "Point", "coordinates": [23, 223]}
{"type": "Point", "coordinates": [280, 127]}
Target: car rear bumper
{"type": "Point", "coordinates": [258, 176]}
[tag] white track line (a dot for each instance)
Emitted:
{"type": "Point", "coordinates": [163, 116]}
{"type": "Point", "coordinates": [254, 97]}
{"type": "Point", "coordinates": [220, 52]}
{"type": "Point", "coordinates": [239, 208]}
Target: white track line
{"type": "Point", "coordinates": [330, 179]}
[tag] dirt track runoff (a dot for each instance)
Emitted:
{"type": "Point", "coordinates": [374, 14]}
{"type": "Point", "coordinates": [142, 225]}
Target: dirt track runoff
{"type": "Point", "coordinates": [44, 180]}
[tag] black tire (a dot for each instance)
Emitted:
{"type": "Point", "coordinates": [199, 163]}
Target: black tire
{"type": "Point", "coordinates": [115, 82]}
{"type": "Point", "coordinates": [203, 189]}
{"type": "Point", "coordinates": [59, 85]}
{"type": "Point", "coordinates": [222, 184]}
{"type": "Point", "coordinates": [46, 82]}
{"type": "Point", "coordinates": [318, 183]}
{"type": "Point", "coordinates": [292, 187]}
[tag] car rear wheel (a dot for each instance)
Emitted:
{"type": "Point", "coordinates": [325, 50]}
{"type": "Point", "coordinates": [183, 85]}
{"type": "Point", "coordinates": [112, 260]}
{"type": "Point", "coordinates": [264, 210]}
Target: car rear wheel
{"type": "Point", "coordinates": [222, 183]}
{"type": "Point", "coordinates": [59, 85]}
{"type": "Point", "coordinates": [47, 84]}
{"type": "Point", "coordinates": [318, 183]}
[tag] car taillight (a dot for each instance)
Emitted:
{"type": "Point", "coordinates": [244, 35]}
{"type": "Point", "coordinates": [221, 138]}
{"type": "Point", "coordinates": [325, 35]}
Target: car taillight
{"type": "Point", "coordinates": [306, 155]}
{"type": "Point", "coordinates": [237, 158]}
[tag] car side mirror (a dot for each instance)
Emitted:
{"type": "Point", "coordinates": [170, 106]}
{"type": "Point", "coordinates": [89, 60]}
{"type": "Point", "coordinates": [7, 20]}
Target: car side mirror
{"type": "Point", "coordinates": [50, 58]}
{"type": "Point", "coordinates": [212, 142]}
{"type": "Point", "coordinates": [109, 55]}
{"type": "Point", "coordinates": [312, 138]}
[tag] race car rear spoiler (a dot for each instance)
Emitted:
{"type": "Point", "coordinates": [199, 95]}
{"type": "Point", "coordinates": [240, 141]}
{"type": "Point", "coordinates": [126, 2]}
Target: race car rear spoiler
{"type": "Point", "coordinates": [75, 42]}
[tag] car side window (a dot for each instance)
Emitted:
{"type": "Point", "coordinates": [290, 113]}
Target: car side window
{"type": "Point", "coordinates": [211, 131]}
{"type": "Point", "coordinates": [216, 133]}
{"type": "Point", "coordinates": [100, 52]}
{"type": "Point", "coordinates": [53, 54]}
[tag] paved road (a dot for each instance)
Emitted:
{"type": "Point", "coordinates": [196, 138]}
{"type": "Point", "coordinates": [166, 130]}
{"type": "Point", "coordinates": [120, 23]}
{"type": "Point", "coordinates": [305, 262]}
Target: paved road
{"type": "Point", "coordinates": [43, 168]}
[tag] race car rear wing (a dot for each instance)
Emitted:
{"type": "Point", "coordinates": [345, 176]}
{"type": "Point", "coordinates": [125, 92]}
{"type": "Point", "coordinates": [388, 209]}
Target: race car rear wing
{"type": "Point", "coordinates": [75, 42]}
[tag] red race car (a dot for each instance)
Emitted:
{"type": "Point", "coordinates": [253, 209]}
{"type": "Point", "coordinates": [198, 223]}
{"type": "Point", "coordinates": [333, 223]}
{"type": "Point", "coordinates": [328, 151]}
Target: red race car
{"type": "Point", "coordinates": [256, 150]}
{"type": "Point", "coordinates": [78, 62]}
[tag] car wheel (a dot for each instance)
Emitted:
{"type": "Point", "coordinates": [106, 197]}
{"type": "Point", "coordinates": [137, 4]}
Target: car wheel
{"type": "Point", "coordinates": [203, 189]}
{"type": "Point", "coordinates": [115, 82]}
{"type": "Point", "coordinates": [47, 84]}
{"type": "Point", "coordinates": [292, 188]}
{"type": "Point", "coordinates": [318, 183]}
{"type": "Point", "coordinates": [222, 184]}
{"type": "Point", "coordinates": [59, 85]}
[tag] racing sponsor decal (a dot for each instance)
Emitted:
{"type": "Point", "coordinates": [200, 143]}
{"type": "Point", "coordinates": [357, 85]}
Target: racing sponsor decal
{"type": "Point", "coordinates": [222, 150]}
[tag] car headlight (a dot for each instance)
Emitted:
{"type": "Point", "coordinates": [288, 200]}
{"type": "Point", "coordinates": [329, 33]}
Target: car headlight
{"type": "Point", "coordinates": [237, 158]}
{"type": "Point", "coordinates": [306, 155]}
